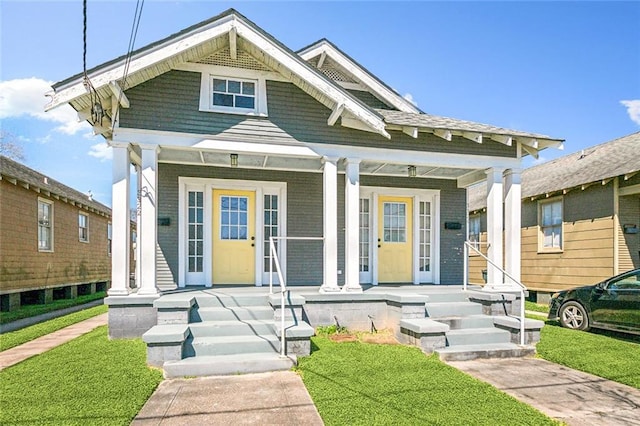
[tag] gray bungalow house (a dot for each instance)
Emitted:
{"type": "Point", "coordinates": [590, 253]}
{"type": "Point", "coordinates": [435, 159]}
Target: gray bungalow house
{"type": "Point", "coordinates": [580, 218]}
{"type": "Point", "coordinates": [239, 141]}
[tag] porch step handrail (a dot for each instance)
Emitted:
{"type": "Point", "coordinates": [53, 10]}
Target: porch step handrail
{"type": "Point", "coordinates": [471, 245]}
{"type": "Point", "coordinates": [273, 255]}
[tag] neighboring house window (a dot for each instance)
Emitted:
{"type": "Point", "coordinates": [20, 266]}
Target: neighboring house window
{"type": "Point", "coordinates": [45, 225]}
{"type": "Point", "coordinates": [550, 220]}
{"type": "Point", "coordinates": [474, 231]}
{"type": "Point", "coordinates": [83, 227]}
{"type": "Point", "coordinates": [109, 237]}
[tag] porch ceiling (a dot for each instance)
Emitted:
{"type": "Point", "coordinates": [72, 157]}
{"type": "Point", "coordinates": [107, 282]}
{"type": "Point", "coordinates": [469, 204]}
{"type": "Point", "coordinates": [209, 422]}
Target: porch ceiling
{"type": "Point", "coordinates": [255, 160]}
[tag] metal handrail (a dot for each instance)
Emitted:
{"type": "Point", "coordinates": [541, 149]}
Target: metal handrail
{"type": "Point", "coordinates": [469, 245]}
{"type": "Point", "coordinates": [273, 254]}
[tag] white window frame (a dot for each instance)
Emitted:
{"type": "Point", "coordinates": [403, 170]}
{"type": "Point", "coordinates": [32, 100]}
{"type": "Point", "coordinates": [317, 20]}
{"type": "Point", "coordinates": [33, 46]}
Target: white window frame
{"type": "Point", "coordinates": [541, 227]}
{"type": "Point", "coordinates": [86, 227]}
{"type": "Point", "coordinates": [50, 224]}
{"type": "Point", "coordinates": [209, 73]}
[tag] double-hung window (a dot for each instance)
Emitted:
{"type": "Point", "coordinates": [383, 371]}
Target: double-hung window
{"type": "Point", "coordinates": [236, 91]}
{"type": "Point", "coordinates": [45, 225]}
{"type": "Point", "coordinates": [550, 222]}
{"type": "Point", "coordinates": [83, 227]}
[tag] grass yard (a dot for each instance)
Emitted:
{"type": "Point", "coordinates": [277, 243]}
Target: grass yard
{"type": "Point", "coordinates": [28, 311]}
{"type": "Point", "coordinates": [537, 307]}
{"type": "Point", "coordinates": [18, 337]}
{"type": "Point", "coordinates": [355, 383]}
{"type": "Point", "coordinates": [90, 380]}
{"type": "Point", "coordinates": [612, 356]}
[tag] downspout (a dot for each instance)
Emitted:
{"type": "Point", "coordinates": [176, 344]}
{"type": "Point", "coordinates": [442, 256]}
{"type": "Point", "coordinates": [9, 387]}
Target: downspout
{"type": "Point", "coordinates": [616, 226]}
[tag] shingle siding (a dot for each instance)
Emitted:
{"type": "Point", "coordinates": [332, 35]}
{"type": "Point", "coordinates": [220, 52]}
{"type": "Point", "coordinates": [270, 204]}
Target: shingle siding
{"type": "Point", "coordinates": [170, 102]}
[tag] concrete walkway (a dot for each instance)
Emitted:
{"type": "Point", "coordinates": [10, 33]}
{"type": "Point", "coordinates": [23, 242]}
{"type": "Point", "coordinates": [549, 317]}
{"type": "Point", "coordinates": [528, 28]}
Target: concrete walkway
{"type": "Point", "coordinates": [20, 353]}
{"type": "Point", "coordinates": [571, 396]}
{"type": "Point", "coordinates": [277, 398]}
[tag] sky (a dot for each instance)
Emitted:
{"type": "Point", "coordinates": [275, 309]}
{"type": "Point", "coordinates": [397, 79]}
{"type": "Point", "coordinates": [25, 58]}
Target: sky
{"type": "Point", "coordinates": [569, 70]}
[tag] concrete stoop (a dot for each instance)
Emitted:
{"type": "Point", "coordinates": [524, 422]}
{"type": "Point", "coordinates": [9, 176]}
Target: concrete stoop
{"type": "Point", "coordinates": [221, 335]}
{"type": "Point", "coordinates": [456, 329]}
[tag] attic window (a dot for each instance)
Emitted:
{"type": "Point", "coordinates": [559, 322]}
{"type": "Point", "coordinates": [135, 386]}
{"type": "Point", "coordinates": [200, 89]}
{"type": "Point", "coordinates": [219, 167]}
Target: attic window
{"type": "Point", "coordinates": [233, 94]}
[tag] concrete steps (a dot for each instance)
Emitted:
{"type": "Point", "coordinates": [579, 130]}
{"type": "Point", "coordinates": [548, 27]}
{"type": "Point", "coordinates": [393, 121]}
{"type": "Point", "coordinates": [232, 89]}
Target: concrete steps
{"type": "Point", "coordinates": [494, 350]}
{"type": "Point", "coordinates": [227, 333]}
{"type": "Point", "coordinates": [471, 334]}
{"type": "Point", "coordinates": [447, 309]}
{"type": "Point", "coordinates": [258, 362]}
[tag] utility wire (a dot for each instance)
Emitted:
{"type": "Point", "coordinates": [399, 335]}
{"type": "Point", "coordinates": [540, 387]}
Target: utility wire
{"type": "Point", "coordinates": [132, 40]}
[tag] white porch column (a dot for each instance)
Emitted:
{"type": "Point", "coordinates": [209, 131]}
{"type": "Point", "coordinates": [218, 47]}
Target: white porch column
{"type": "Point", "coordinates": [352, 225]}
{"type": "Point", "coordinates": [138, 248]}
{"type": "Point", "coordinates": [513, 220]}
{"type": "Point", "coordinates": [147, 234]}
{"type": "Point", "coordinates": [330, 224]}
{"type": "Point", "coordinates": [494, 226]}
{"type": "Point", "coordinates": [120, 225]}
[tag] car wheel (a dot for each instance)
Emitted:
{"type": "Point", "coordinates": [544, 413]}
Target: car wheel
{"type": "Point", "coordinates": [574, 315]}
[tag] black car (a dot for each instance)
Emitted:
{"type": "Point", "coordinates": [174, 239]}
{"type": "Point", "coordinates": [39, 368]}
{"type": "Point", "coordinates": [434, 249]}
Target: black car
{"type": "Point", "coordinates": [612, 304]}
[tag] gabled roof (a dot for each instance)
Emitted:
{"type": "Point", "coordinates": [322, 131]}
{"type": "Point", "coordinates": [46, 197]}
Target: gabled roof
{"type": "Point", "coordinates": [599, 163]}
{"type": "Point", "coordinates": [19, 174]}
{"type": "Point", "coordinates": [326, 56]}
{"type": "Point", "coordinates": [227, 30]}
{"type": "Point", "coordinates": [233, 32]}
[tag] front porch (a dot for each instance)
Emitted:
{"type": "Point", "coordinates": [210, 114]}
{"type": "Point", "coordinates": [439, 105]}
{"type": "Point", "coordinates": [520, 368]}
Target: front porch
{"type": "Point", "coordinates": [230, 330]}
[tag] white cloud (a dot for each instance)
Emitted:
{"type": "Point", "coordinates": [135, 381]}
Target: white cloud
{"type": "Point", "coordinates": [409, 97]}
{"type": "Point", "coordinates": [633, 109]}
{"type": "Point", "coordinates": [25, 97]}
{"type": "Point", "coordinates": [101, 151]}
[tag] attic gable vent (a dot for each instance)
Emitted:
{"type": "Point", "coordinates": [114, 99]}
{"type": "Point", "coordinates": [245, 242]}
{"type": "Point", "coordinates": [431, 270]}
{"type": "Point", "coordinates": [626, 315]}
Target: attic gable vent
{"type": "Point", "coordinates": [244, 60]}
{"type": "Point", "coordinates": [336, 75]}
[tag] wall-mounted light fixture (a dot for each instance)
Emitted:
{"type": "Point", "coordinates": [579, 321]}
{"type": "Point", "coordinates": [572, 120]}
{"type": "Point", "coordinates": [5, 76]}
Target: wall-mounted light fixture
{"type": "Point", "coordinates": [234, 160]}
{"type": "Point", "coordinates": [412, 171]}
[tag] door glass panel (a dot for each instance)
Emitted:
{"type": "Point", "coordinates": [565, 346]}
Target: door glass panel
{"type": "Point", "coordinates": [195, 240]}
{"type": "Point", "coordinates": [394, 223]}
{"type": "Point", "coordinates": [364, 235]}
{"type": "Point", "coordinates": [425, 236]}
{"type": "Point", "coordinates": [270, 227]}
{"type": "Point", "coordinates": [233, 217]}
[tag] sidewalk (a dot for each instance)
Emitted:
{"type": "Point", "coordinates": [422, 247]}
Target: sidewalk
{"type": "Point", "coordinates": [571, 396]}
{"type": "Point", "coordinates": [41, 344]}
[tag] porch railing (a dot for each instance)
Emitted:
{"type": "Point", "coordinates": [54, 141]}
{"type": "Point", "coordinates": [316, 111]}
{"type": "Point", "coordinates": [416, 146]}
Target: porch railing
{"type": "Point", "coordinates": [468, 245]}
{"type": "Point", "coordinates": [273, 255]}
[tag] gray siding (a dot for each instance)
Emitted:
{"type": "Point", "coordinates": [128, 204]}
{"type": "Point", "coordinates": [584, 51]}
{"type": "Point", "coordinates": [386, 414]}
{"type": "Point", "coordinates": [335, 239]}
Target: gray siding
{"type": "Point", "coordinates": [170, 102]}
{"type": "Point", "coordinates": [370, 99]}
{"type": "Point", "coordinates": [304, 218]}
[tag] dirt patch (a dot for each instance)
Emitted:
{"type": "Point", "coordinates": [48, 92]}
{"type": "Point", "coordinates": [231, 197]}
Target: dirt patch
{"type": "Point", "coordinates": [382, 337]}
{"type": "Point", "coordinates": [343, 337]}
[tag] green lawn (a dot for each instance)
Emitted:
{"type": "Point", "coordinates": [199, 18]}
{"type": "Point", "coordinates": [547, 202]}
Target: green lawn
{"type": "Point", "coordinates": [356, 383]}
{"type": "Point", "coordinates": [18, 337]}
{"type": "Point", "coordinates": [27, 311]}
{"type": "Point", "coordinates": [537, 307]}
{"type": "Point", "coordinates": [90, 380]}
{"type": "Point", "coordinates": [609, 355]}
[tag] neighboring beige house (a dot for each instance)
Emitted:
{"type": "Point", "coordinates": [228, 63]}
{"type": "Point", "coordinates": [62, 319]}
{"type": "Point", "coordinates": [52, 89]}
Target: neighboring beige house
{"type": "Point", "coordinates": [580, 218]}
{"type": "Point", "coordinates": [55, 242]}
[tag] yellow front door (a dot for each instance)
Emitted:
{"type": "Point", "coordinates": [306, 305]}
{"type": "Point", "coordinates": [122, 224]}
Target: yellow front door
{"type": "Point", "coordinates": [234, 237]}
{"type": "Point", "coordinates": [395, 252]}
